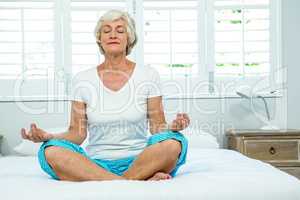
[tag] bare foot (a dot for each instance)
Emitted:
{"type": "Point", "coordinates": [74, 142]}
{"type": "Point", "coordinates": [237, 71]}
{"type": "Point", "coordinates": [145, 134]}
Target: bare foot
{"type": "Point", "coordinates": [160, 176]}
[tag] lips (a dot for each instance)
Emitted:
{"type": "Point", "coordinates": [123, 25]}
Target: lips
{"type": "Point", "coordinates": [113, 43]}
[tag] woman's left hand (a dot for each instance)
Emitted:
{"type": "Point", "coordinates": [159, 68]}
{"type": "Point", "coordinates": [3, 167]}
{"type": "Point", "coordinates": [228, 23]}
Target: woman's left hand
{"type": "Point", "coordinates": [181, 122]}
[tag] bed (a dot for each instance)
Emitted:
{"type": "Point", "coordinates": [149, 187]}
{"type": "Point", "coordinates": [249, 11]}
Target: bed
{"type": "Point", "coordinates": [209, 174]}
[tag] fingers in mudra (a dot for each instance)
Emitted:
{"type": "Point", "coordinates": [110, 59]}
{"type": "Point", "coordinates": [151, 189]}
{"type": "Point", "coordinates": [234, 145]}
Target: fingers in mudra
{"type": "Point", "coordinates": [35, 134]}
{"type": "Point", "coordinates": [182, 121]}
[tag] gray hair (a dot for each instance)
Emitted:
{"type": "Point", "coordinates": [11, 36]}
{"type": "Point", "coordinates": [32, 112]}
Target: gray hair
{"type": "Point", "coordinates": [113, 15]}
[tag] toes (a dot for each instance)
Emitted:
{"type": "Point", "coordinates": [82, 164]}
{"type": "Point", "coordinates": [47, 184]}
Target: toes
{"type": "Point", "coordinates": [169, 176]}
{"type": "Point", "coordinates": [160, 176]}
{"type": "Point", "coordinates": [166, 176]}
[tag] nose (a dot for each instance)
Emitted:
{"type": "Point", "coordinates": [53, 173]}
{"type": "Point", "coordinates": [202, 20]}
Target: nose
{"type": "Point", "coordinates": [112, 34]}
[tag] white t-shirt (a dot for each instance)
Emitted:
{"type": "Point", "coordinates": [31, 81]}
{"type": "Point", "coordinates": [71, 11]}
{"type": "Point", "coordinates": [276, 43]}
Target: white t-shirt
{"type": "Point", "coordinates": [117, 120]}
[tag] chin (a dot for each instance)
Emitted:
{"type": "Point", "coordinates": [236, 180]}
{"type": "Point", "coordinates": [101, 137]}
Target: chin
{"type": "Point", "coordinates": [116, 52]}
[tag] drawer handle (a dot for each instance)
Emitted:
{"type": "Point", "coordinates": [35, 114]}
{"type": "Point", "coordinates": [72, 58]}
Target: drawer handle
{"type": "Point", "coordinates": [272, 150]}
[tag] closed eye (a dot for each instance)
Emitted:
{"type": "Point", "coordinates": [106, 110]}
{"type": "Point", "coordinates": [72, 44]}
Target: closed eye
{"type": "Point", "coordinates": [121, 30]}
{"type": "Point", "coordinates": [107, 30]}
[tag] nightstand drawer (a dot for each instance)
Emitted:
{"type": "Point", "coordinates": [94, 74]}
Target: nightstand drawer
{"type": "Point", "coordinates": [294, 171]}
{"type": "Point", "coordinates": [272, 150]}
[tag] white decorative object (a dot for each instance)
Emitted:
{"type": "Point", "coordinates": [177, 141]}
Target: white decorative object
{"type": "Point", "coordinates": [247, 94]}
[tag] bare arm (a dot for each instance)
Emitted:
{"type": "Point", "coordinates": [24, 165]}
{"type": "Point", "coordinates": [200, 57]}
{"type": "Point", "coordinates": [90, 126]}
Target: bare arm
{"type": "Point", "coordinates": [76, 133]}
{"type": "Point", "coordinates": [156, 116]}
{"type": "Point", "coordinates": [157, 119]}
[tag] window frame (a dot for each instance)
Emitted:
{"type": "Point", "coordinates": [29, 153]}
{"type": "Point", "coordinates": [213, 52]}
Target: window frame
{"type": "Point", "coordinates": [205, 75]}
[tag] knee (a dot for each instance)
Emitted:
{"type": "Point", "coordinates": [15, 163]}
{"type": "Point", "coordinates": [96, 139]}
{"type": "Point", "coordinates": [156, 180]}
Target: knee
{"type": "Point", "coordinates": [53, 155]}
{"type": "Point", "coordinates": [171, 147]}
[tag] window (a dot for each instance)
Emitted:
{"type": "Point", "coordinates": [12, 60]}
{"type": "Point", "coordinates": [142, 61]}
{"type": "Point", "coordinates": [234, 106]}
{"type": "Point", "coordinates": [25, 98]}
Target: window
{"type": "Point", "coordinates": [26, 41]}
{"type": "Point", "coordinates": [242, 37]}
{"type": "Point", "coordinates": [171, 36]}
{"type": "Point", "coordinates": [191, 39]}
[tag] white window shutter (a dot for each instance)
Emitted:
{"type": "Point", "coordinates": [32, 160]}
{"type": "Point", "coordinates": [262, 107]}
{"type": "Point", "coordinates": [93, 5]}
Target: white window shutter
{"type": "Point", "coordinates": [206, 39]}
{"type": "Point", "coordinates": [242, 37]}
{"type": "Point", "coordinates": [27, 40]}
{"type": "Point", "coordinates": [171, 36]}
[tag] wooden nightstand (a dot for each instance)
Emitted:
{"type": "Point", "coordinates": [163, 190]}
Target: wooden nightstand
{"type": "Point", "coordinates": [281, 148]}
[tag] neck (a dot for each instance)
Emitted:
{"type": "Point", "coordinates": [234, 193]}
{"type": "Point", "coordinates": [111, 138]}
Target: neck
{"type": "Point", "coordinates": [116, 62]}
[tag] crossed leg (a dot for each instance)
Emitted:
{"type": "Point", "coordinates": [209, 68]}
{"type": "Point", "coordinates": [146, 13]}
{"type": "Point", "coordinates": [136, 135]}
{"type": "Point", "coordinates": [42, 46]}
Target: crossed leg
{"type": "Point", "coordinates": [155, 161]}
{"type": "Point", "coordinates": [72, 166]}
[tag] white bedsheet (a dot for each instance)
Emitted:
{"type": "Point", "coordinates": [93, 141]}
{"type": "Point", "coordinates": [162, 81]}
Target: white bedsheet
{"type": "Point", "coordinates": [209, 174]}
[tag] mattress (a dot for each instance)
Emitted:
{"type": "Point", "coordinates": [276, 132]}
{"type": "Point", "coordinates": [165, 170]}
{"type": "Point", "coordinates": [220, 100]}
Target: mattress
{"type": "Point", "coordinates": [209, 174]}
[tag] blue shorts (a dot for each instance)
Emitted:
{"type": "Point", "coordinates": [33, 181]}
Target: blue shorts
{"type": "Point", "coordinates": [119, 166]}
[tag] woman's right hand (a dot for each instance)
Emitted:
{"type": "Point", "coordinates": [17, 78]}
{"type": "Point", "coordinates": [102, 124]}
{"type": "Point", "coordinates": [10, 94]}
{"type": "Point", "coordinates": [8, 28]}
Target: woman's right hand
{"type": "Point", "coordinates": [36, 134]}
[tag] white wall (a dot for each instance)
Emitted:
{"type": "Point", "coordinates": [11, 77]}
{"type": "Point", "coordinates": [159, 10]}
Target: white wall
{"type": "Point", "coordinates": [291, 58]}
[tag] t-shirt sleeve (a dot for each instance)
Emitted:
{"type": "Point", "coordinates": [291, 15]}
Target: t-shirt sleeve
{"type": "Point", "coordinates": [155, 88]}
{"type": "Point", "coordinates": [76, 90]}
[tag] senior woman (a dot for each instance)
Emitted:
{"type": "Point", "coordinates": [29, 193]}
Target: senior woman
{"type": "Point", "coordinates": [114, 103]}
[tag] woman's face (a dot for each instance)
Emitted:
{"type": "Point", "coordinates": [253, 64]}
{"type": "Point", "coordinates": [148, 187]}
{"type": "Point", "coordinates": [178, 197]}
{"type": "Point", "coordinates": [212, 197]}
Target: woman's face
{"type": "Point", "coordinates": [114, 37]}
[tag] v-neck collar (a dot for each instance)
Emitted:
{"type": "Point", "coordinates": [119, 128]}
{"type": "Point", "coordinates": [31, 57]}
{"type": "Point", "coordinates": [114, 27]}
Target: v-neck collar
{"type": "Point", "coordinates": [123, 87]}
